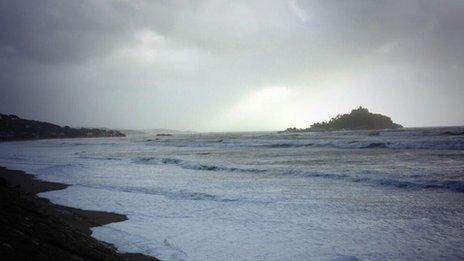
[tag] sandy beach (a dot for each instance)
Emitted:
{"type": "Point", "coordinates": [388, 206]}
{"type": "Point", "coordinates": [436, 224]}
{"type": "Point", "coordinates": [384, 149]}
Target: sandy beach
{"type": "Point", "coordinates": [33, 228]}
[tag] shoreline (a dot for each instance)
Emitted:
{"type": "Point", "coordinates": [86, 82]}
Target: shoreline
{"type": "Point", "coordinates": [34, 228]}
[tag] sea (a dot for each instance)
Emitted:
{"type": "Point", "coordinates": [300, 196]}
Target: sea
{"type": "Point", "coordinates": [348, 195]}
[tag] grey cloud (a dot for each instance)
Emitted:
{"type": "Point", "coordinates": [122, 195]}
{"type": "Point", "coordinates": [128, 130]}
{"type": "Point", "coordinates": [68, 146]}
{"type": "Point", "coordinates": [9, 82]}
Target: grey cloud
{"type": "Point", "coordinates": [62, 31]}
{"type": "Point", "coordinates": [156, 62]}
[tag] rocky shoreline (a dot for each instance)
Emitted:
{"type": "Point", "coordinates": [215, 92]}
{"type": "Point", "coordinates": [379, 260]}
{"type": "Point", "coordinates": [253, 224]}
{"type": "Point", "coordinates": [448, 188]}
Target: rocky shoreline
{"type": "Point", "coordinates": [33, 228]}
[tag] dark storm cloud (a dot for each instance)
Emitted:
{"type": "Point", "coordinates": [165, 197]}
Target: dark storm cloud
{"type": "Point", "coordinates": [160, 62]}
{"type": "Point", "coordinates": [60, 31]}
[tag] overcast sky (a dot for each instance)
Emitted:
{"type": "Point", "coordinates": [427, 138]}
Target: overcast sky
{"type": "Point", "coordinates": [231, 65]}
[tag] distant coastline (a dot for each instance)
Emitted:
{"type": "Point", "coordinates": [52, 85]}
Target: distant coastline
{"type": "Point", "coordinates": [14, 128]}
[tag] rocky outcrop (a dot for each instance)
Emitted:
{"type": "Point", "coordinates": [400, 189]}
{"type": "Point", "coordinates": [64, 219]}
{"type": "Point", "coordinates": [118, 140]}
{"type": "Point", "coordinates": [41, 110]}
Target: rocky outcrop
{"type": "Point", "coordinates": [358, 119]}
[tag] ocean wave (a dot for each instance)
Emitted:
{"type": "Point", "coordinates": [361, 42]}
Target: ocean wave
{"type": "Point", "coordinates": [454, 185]}
{"type": "Point", "coordinates": [407, 139]}
{"type": "Point", "coordinates": [451, 185]}
{"type": "Point", "coordinates": [84, 143]}
{"type": "Point", "coordinates": [348, 144]}
{"type": "Point", "coordinates": [375, 145]}
{"type": "Point", "coordinates": [288, 145]}
{"type": "Point", "coordinates": [192, 165]}
{"type": "Point", "coordinates": [130, 242]}
{"type": "Point", "coordinates": [357, 144]}
{"type": "Point", "coordinates": [177, 195]}
{"type": "Point", "coordinates": [394, 143]}
{"type": "Point", "coordinates": [452, 133]}
{"type": "Point", "coordinates": [98, 158]}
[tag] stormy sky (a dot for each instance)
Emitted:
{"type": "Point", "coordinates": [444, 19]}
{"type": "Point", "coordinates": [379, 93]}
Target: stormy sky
{"type": "Point", "coordinates": [231, 65]}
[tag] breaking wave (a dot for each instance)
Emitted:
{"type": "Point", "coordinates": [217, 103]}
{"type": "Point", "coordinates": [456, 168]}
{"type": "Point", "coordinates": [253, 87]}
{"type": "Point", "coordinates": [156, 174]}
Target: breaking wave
{"type": "Point", "coordinates": [355, 144]}
{"type": "Point", "coordinates": [405, 143]}
{"type": "Point", "coordinates": [452, 185]}
{"type": "Point", "coordinates": [192, 165]}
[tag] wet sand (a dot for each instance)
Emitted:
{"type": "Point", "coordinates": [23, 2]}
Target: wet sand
{"type": "Point", "coordinates": [35, 229]}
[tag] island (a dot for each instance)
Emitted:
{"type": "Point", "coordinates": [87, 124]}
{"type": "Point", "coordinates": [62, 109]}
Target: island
{"type": "Point", "coordinates": [358, 119]}
{"type": "Point", "coordinates": [13, 128]}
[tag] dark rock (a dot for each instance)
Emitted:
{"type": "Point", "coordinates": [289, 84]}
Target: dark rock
{"type": "Point", "coordinates": [163, 135]}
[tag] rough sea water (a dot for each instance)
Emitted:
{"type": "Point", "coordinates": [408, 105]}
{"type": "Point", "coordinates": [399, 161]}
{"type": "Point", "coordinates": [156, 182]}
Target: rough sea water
{"type": "Point", "coordinates": [265, 196]}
